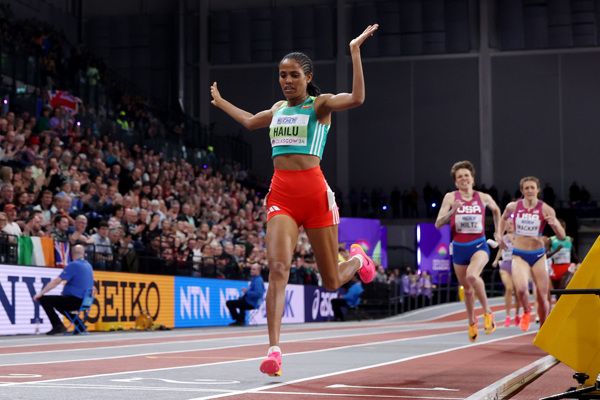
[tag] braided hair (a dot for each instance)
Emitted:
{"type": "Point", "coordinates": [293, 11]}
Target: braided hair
{"type": "Point", "coordinates": [307, 67]}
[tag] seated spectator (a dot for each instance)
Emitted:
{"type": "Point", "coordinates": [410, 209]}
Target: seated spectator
{"type": "Point", "coordinates": [3, 222]}
{"type": "Point", "coordinates": [7, 194]}
{"type": "Point", "coordinates": [79, 235]}
{"type": "Point", "coordinates": [33, 225]}
{"type": "Point", "coordinates": [78, 277]}
{"type": "Point", "coordinates": [251, 299]}
{"type": "Point", "coordinates": [102, 247]}
{"type": "Point", "coordinates": [11, 227]}
{"type": "Point", "coordinates": [61, 227]}
{"type": "Point", "coordinates": [349, 300]}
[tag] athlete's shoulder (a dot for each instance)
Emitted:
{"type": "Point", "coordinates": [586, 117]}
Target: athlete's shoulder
{"type": "Point", "coordinates": [511, 206]}
{"type": "Point", "coordinates": [279, 104]}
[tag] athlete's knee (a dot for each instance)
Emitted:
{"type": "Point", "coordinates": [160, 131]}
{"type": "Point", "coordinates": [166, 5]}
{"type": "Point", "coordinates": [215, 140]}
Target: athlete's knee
{"type": "Point", "coordinates": [522, 291]}
{"type": "Point", "coordinates": [472, 278]}
{"type": "Point", "coordinates": [468, 290]}
{"type": "Point", "coordinates": [278, 269]}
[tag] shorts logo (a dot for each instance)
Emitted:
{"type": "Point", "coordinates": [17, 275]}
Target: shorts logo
{"type": "Point", "coordinates": [272, 209]}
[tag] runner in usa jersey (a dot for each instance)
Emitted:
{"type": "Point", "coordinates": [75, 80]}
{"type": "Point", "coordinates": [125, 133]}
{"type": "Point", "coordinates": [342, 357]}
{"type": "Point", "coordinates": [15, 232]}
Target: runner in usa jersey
{"type": "Point", "coordinates": [467, 222]}
{"type": "Point", "coordinates": [530, 215]}
{"type": "Point", "coordinates": [464, 210]}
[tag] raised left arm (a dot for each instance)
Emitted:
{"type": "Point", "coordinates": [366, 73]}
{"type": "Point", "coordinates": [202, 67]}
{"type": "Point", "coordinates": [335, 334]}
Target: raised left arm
{"type": "Point", "coordinates": [344, 101]}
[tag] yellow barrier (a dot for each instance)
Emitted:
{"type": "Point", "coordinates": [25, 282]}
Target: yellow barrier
{"type": "Point", "coordinates": [572, 331]}
{"type": "Point", "coordinates": [122, 297]}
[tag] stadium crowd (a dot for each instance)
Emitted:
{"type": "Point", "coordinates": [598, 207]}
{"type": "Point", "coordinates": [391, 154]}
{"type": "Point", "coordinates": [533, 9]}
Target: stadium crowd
{"type": "Point", "coordinates": [76, 175]}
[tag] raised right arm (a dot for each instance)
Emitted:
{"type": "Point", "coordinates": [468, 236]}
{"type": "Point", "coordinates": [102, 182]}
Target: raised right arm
{"type": "Point", "coordinates": [248, 120]}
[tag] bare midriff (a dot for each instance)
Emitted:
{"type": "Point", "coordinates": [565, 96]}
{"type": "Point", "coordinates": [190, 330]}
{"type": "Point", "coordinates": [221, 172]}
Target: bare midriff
{"type": "Point", "coordinates": [295, 162]}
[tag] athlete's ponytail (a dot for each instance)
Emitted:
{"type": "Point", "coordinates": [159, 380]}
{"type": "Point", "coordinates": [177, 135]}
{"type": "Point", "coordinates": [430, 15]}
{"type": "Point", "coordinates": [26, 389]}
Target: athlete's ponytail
{"type": "Point", "coordinates": [313, 89]}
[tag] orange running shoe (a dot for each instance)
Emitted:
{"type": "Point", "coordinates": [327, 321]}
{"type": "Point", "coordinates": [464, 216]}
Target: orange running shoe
{"type": "Point", "coordinates": [473, 332]}
{"type": "Point", "coordinates": [488, 323]}
{"type": "Point", "coordinates": [525, 320]}
{"type": "Point", "coordinates": [272, 364]}
{"type": "Point", "coordinates": [367, 271]}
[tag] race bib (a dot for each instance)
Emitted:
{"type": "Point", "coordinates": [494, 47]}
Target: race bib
{"type": "Point", "coordinates": [527, 225]}
{"type": "Point", "coordinates": [506, 254]}
{"type": "Point", "coordinates": [289, 130]}
{"type": "Point", "coordinates": [562, 257]}
{"type": "Point", "coordinates": [469, 223]}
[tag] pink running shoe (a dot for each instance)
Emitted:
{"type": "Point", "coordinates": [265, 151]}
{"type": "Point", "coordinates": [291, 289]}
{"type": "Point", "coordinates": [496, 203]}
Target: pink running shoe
{"type": "Point", "coordinates": [517, 320]}
{"type": "Point", "coordinates": [367, 271]}
{"type": "Point", "coordinates": [507, 321]}
{"type": "Point", "coordinates": [272, 364]}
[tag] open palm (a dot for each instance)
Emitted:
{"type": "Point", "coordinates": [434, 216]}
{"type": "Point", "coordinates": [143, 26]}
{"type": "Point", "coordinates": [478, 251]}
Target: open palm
{"type": "Point", "coordinates": [367, 33]}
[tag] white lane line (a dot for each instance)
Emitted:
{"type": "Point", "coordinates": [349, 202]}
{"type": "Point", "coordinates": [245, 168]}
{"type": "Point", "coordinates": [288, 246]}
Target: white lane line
{"type": "Point", "coordinates": [107, 337]}
{"type": "Point", "coordinates": [121, 387]}
{"type": "Point", "coordinates": [495, 301]}
{"type": "Point", "coordinates": [235, 361]}
{"type": "Point", "coordinates": [261, 342]}
{"type": "Point", "coordinates": [368, 396]}
{"type": "Point", "coordinates": [200, 339]}
{"type": "Point", "coordinates": [341, 386]}
{"type": "Point", "coordinates": [504, 387]}
{"type": "Point", "coordinates": [400, 360]}
{"type": "Point", "coordinates": [194, 382]}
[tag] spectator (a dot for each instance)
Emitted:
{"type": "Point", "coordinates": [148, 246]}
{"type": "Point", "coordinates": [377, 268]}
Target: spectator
{"type": "Point", "coordinates": [3, 222]}
{"type": "Point", "coordinates": [7, 194]}
{"type": "Point", "coordinates": [45, 207]}
{"type": "Point", "coordinates": [11, 228]}
{"type": "Point", "coordinates": [78, 277]}
{"type": "Point", "coordinates": [61, 227]}
{"type": "Point", "coordinates": [349, 300]}
{"type": "Point", "coordinates": [426, 287]}
{"type": "Point", "coordinates": [381, 277]}
{"type": "Point", "coordinates": [102, 247]}
{"type": "Point", "coordinates": [251, 299]}
{"type": "Point", "coordinates": [79, 235]}
{"type": "Point", "coordinates": [33, 225]}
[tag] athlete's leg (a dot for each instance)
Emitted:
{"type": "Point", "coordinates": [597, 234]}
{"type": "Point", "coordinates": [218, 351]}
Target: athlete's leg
{"type": "Point", "coordinates": [461, 275]}
{"type": "Point", "coordinates": [508, 291]}
{"type": "Point", "coordinates": [473, 276]}
{"type": "Point", "coordinates": [281, 240]}
{"type": "Point", "coordinates": [520, 277]}
{"type": "Point", "coordinates": [324, 243]}
{"type": "Point", "coordinates": [542, 282]}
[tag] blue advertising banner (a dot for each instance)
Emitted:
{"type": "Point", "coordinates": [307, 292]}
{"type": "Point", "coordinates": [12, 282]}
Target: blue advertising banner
{"type": "Point", "coordinates": [293, 309]}
{"type": "Point", "coordinates": [369, 233]}
{"type": "Point", "coordinates": [201, 302]}
{"type": "Point", "coordinates": [317, 303]}
{"type": "Point", "coordinates": [433, 251]}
